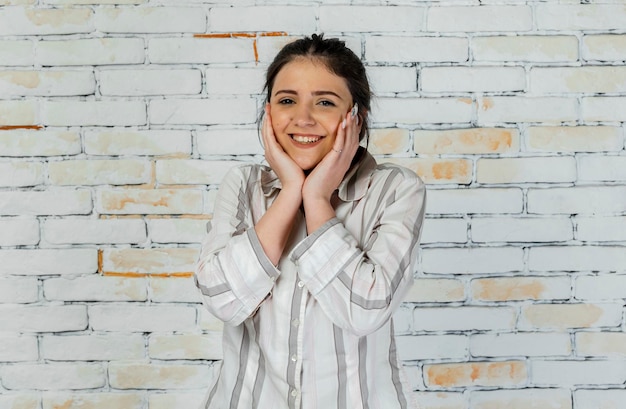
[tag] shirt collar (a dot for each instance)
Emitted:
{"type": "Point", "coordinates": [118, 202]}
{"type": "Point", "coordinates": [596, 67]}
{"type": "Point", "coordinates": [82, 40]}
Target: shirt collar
{"type": "Point", "coordinates": [353, 186]}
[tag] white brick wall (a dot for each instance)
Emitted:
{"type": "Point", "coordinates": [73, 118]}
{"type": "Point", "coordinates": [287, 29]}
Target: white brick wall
{"type": "Point", "coordinates": [119, 119]}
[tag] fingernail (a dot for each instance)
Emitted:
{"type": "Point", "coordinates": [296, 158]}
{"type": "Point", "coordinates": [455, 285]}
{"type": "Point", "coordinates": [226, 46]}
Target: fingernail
{"type": "Point", "coordinates": [343, 123]}
{"type": "Point", "coordinates": [355, 109]}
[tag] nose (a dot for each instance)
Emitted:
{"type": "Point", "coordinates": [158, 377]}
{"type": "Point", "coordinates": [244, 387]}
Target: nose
{"type": "Point", "coordinates": [303, 116]}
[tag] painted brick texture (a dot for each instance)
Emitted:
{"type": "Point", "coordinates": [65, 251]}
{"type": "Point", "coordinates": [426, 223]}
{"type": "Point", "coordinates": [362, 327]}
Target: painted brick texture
{"type": "Point", "coordinates": [119, 119]}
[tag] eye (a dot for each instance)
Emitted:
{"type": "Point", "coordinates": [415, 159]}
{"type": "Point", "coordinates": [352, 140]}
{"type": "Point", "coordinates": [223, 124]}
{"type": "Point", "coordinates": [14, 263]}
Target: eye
{"type": "Point", "coordinates": [286, 101]}
{"type": "Point", "coordinates": [326, 103]}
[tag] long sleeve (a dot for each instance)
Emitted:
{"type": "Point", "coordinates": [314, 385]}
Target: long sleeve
{"type": "Point", "coordinates": [233, 273]}
{"type": "Point", "coordinates": [359, 287]}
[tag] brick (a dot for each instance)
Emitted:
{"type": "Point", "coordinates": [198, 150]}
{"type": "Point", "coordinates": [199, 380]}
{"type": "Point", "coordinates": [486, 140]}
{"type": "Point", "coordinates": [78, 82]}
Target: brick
{"type": "Point", "coordinates": [175, 400]}
{"type": "Point", "coordinates": [149, 261]}
{"type": "Point", "coordinates": [521, 288]}
{"type": "Point", "coordinates": [100, 172]}
{"type": "Point", "coordinates": [95, 1]}
{"type": "Point", "coordinates": [601, 228]}
{"type": "Point", "coordinates": [50, 202]}
{"type": "Point", "coordinates": [606, 344]}
{"type": "Point", "coordinates": [263, 18]}
{"type": "Point", "coordinates": [555, 169]}
{"type": "Point", "coordinates": [603, 108]}
{"type": "Point", "coordinates": [472, 79]}
{"type": "Point", "coordinates": [588, 79]}
{"type": "Point", "coordinates": [17, 143]}
{"type": "Point", "coordinates": [481, 201]}
{"type": "Point", "coordinates": [92, 400]}
{"type": "Point", "coordinates": [20, 401]}
{"type": "Point", "coordinates": [138, 142]}
{"type": "Point", "coordinates": [464, 318]}
{"type": "Point", "coordinates": [150, 82]}
{"type": "Point", "coordinates": [19, 290]}
{"type": "Point", "coordinates": [388, 141]}
{"type": "Point", "coordinates": [177, 230]}
{"type": "Point", "coordinates": [48, 261]}
{"type": "Point", "coordinates": [229, 142]}
{"type": "Point", "coordinates": [19, 112]}
{"type": "Point", "coordinates": [85, 113]}
{"type": "Point", "coordinates": [526, 109]}
{"type": "Point", "coordinates": [189, 171]}
{"type": "Point", "coordinates": [436, 290]}
{"type": "Point", "coordinates": [145, 201]}
{"type": "Point", "coordinates": [17, 52]}
{"type": "Point", "coordinates": [599, 399]}
{"type": "Point", "coordinates": [520, 344]}
{"type": "Point", "coordinates": [472, 260]}
{"type": "Point", "coordinates": [432, 347]}
{"type": "Point", "coordinates": [504, 229]}
{"type": "Point", "coordinates": [158, 376]}
{"type": "Point", "coordinates": [563, 316]}
{"type": "Point", "coordinates": [602, 168]}
{"type": "Point", "coordinates": [189, 346]}
{"type": "Point", "coordinates": [577, 200]}
{"type": "Point", "coordinates": [580, 17]}
{"type": "Point", "coordinates": [21, 174]}
{"type": "Point", "coordinates": [571, 373]}
{"type": "Point", "coordinates": [43, 319]}
{"type": "Point", "coordinates": [600, 287]}
{"type": "Point", "coordinates": [47, 83]}
{"type": "Point", "coordinates": [131, 318]}
{"type": "Point", "coordinates": [18, 231]}
{"type": "Point", "coordinates": [81, 231]}
{"type": "Point", "coordinates": [444, 231]}
{"type": "Point", "coordinates": [53, 376]}
{"type": "Point", "coordinates": [527, 48]}
{"type": "Point", "coordinates": [236, 80]}
{"type": "Point", "coordinates": [92, 347]}
{"type": "Point", "coordinates": [91, 51]}
{"type": "Point", "coordinates": [404, 50]}
{"type": "Point", "coordinates": [208, 322]}
{"type": "Point", "coordinates": [150, 20]}
{"type": "Point", "coordinates": [18, 349]}
{"type": "Point", "coordinates": [163, 289]}
{"type": "Point", "coordinates": [466, 141]}
{"type": "Point", "coordinates": [337, 18]}
{"type": "Point", "coordinates": [577, 258]}
{"type": "Point", "coordinates": [423, 110]}
{"type": "Point", "coordinates": [16, 21]}
{"type": "Point", "coordinates": [502, 374]}
{"type": "Point", "coordinates": [200, 50]}
{"type": "Point", "coordinates": [95, 288]}
{"type": "Point", "coordinates": [522, 399]}
{"type": "Point", "coordinates": [392, 79]}
{"type": "Point", "coordinates": [203, 111]}
{"type": "Point", "coordinates": [440, 400]}
{"type": "Point", "coordinates": [604, 47]}
{"type": "Point", "coordinates": [484, 18]}
{"type": "Point", "coordinates": [437, 171]}
{"type": "Point", "coordinates": [574, 138]}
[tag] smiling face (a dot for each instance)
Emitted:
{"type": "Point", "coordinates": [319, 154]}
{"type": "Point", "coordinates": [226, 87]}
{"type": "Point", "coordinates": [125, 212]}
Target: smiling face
{"type": "Point", "coordinates": [307, 105]}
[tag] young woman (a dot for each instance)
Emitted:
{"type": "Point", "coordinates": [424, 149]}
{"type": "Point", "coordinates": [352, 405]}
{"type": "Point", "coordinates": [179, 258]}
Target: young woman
{"type": "Point", "coordinates": [306, 260]}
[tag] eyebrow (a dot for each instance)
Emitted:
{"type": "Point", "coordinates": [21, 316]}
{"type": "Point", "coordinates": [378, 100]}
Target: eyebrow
{"type": "Point", "coordinates": [315, 93]}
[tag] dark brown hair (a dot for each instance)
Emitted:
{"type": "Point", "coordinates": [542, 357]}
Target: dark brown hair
{"type": "Point", "coordinates": [338, 59]}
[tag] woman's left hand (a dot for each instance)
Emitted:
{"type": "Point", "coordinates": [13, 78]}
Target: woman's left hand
{"type": "Point", "coordinates": [328, 174]}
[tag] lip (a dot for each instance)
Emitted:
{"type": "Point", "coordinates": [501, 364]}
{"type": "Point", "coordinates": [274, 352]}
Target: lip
{"type": "Point", "coordinates": [306, 144]}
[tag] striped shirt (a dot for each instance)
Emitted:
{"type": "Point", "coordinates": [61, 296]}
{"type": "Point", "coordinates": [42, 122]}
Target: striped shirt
{"type": "Point", "coordinates": [315, 331]}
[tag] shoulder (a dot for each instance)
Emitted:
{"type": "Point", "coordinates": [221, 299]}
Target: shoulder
{"type": "Point", "coordinates": [393, 173]}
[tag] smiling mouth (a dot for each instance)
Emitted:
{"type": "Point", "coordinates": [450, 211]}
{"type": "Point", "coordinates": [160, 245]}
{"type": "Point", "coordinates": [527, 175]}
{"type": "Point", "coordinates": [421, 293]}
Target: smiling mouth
{"type": "Point", "coordinates": [306, 139]}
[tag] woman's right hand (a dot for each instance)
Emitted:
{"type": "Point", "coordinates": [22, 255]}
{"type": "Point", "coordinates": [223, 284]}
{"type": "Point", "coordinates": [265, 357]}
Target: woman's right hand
{"type": "Point", "coordinates": [290, 174]}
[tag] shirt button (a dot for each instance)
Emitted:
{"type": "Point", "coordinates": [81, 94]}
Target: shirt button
{"type": "Point", "coordinates": [294, 357]}
{"type": "Point", "coordinates": [295, 322]}
{"type": "Point", "coordinates": [294, 392]}
{"type": "Point", "coordinates": [300, 284]}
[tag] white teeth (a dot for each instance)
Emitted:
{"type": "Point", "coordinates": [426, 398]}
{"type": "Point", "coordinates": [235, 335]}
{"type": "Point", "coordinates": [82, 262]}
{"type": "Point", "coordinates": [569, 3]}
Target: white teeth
{"type": "Point", "coordinates": [306, 139]}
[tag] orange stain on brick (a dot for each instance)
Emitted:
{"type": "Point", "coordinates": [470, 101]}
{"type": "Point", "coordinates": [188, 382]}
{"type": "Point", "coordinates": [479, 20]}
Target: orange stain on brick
{"type": "Point", "coordinates": [450, 170]}
{"type": "Point", "coordinates": [255, 36]}
{"type": "Point", "coordinates": [506, 289]}
{"type": "Point", "coordinates": [142, 275]}
{"type": "Point", "coordinates": [477, 373]}
{"type": "Point", "coordinates": [14, 127]}
{"type": "Point", "coordinates": [65, 405]}
{"type": "Point", "coordinates": [486, 103]}
{"type": "Point", "coordinates": [493, 140]}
